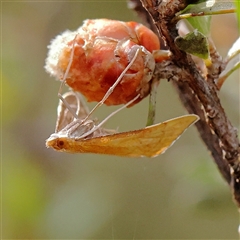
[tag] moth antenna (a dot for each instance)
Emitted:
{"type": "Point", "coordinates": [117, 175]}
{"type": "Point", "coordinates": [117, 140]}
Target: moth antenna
{"type": "Point", "coordinates": [109, 116]}
{"type": "Point", "coordinates": [64, 80]}
{"type": "Point", "coordinates": [110, 90]}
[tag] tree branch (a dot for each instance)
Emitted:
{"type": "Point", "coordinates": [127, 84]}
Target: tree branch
{"type": "Point", "coordinates": [199, 95]}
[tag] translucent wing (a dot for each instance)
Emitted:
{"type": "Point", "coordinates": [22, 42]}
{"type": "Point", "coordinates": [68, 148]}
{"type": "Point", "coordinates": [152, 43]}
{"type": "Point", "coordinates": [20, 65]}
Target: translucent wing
{"type": "Point", "coordinates": [67, 125]}
{"type": "Point", "coordinates": [150, 141]}
{"type": "Point", "coordinates": [65, 117]}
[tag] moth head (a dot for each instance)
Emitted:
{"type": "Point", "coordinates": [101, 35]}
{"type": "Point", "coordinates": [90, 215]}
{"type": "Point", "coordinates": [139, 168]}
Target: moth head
{"type": "Point", "coordinates": [56, 143]}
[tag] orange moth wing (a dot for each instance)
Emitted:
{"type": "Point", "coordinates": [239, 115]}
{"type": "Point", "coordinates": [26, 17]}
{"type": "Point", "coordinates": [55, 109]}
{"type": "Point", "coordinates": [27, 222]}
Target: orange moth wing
{"type": "Point", "coordinates": [149, 142]}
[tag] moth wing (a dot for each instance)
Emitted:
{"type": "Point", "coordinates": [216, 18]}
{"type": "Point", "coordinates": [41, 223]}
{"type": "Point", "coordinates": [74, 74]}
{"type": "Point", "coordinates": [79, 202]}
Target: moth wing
{"type": "Point", "coordinates": [150, 141]}
{"type": "Point", "coordinates": [64, 116]}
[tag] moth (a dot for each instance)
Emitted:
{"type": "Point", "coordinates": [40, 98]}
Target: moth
{"type": "Point", "coordinates": [77, 132]}
{"type": "Point", "coordinates": [84, 135]}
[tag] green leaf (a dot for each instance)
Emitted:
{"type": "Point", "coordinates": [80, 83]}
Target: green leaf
{"type": "Point", "coordinates": [189, 6]}
{"type": "Point", "coordinates": [194, 43]}
{"type": "Point", "coordinates": [201, 23]}
{"type": "Point", "coordinates": [209, 7]}
{"type": "Point", "coordinates": [206, 8]}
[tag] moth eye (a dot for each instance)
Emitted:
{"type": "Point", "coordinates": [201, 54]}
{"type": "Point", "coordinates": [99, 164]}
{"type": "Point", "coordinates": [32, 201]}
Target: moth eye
{"type": "Point", "coordinates": [60, 143]}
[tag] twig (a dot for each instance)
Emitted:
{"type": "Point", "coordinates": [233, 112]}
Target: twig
{"type": "Point", "coordinates": [198, 95]}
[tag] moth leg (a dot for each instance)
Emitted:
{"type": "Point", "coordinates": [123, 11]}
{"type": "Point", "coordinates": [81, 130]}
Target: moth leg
{"type": "Point", "coordinates": [64, 80]}
{"type": "Point", "coordinates": [152, 101]}
{"type": "Point", "coordinates": [108, 117]}
{"type": "Point", "coordinates": [110, 90]}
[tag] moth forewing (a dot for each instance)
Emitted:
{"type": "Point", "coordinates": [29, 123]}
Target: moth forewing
{"type": "Point", "coordinates": [149, 142]}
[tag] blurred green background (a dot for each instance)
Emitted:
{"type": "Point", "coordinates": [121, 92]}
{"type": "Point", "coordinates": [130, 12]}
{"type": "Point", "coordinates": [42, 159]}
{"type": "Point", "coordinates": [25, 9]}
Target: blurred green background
{"type": "Point", "coordinates": [46, 194]}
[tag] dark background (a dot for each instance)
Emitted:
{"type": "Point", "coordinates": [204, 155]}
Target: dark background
{"type": "Point", "coordinates": [46, 194]}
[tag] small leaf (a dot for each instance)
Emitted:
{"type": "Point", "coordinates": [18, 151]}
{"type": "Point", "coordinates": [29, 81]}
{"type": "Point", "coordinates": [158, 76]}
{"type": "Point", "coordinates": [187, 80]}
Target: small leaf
{"type": "Point", "coordinates": [194, 43]}
{"type": "Point", "coordinates": [209, 7]}
{"type": "Point", "coordinates": [191, 5]}
{"type": "Point", "coordinates": [201, 23]}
